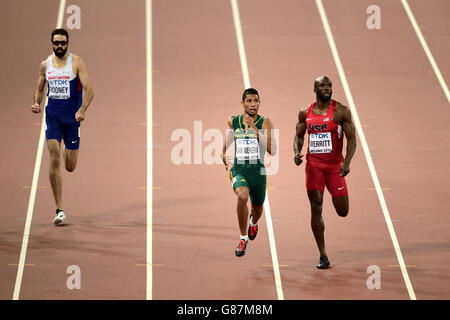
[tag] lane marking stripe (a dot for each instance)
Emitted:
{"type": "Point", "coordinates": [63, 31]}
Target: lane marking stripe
{"type": "Point", "coordinates": [365, 146]}
{"type": "Point", "coordinates": [37, 167]}
{"type": "Point", "coordinates": [37, 187]}
{"type": "Point", "coordinates": [240, 42]}
{"type": "Point", "coordinates": [149, 86]}
{"type": "Point", "coordinates": [246, 78]}
{"type": "Point", "coordinates": [427, 50]}
{"type": "Point", "coordinates": [280, 265]}
{"type": "Point", "coordinates": [408, 266]}
{"type": "Point", "coordinates": [145, 188]}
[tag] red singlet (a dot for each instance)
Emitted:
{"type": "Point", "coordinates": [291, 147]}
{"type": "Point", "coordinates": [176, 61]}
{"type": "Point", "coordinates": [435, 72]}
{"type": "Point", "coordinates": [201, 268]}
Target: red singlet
{"type": "Point", "coordinates": [324, 155]}
{"type": "Point", "coordinates": [325, 136]}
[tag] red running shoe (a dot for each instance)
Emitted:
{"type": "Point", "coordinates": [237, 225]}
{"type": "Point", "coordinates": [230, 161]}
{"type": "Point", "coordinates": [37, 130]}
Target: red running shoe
{"type": "Point", "coordinates": [240, 249]}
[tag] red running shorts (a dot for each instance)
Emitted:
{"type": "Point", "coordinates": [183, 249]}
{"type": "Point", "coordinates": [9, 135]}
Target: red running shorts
{"type": "Point", "coordinates": [320, 174]}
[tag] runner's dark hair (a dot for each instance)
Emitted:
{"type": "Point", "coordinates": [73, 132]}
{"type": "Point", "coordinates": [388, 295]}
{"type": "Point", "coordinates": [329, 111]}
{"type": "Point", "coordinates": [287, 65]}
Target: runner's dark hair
{"type": "Point", "coordinates": [61, 32]}
{"type": "Point", "coordinates": [249, 91]}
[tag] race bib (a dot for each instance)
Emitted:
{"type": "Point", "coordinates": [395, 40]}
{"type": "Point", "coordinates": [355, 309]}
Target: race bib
{"type": "Point", "coordinates": [59, 87]}
{"type": "Point", "coordinates": [320, 142]}
{"type": "Point", "coordinates": [247, 149]}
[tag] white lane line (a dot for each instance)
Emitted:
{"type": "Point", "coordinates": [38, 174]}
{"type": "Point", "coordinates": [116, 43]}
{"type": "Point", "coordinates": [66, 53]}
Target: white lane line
{"type": "Point", "coordinates": [246, 78]}
{"type": "Point", "coordinates": [149, 66]}
{"type": "Point", "coordinates": [240, 42]}
{"type": "Point", "coordinates": [365, 146]}
{"type": "Point", "coordinates": [427, 50]}
{"type": "Point", "coordinates": [37, 167]}
{"type": "Point", "coordinates": [273, 248]}
{"type": "Point", "coordinates": [62, 8]}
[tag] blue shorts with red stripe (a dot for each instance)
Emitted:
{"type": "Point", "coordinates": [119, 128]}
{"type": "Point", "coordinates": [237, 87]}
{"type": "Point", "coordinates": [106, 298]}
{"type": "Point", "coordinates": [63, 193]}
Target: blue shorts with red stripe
{"type": "Point", "coordinates": [63, 128]}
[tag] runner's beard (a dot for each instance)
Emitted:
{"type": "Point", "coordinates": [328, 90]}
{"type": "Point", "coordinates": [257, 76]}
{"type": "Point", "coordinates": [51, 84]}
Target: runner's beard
{"type": "Point", "coordinates": [60, 53]}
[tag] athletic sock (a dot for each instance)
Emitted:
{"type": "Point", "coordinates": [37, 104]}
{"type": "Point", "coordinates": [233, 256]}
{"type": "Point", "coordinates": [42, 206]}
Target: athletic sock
{"type": "Point", "coordinates": [252, 224]}
{"type": "Point", "coordinates": [244, 238]}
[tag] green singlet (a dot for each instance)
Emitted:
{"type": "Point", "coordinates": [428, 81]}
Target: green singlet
{"type": "Point", "coordinates": [248, 169]}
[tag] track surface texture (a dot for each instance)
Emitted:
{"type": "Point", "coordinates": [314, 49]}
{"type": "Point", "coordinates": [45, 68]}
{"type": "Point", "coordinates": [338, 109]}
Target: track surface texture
{"type": "Point", "coordinates": [197, 82]}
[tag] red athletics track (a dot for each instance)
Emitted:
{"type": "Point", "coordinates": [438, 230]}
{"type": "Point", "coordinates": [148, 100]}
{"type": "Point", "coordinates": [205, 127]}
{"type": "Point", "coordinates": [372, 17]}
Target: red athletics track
{"type": "Point", "coordinates": [105, 231]}
{"type": "Point", "coordinates": [19, 131]}
{"type": "Point", "coordinates": [290, 36]}
{"type": "Point", "coordinates": [408, 147]}
{"type": "Point", "coordinates": [375, 75]}
{"type": "Point", "coordinates": [197, 76]}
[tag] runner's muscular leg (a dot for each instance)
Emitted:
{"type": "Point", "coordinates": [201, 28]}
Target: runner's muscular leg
{"type": "Point", "coordinates": [256, 213]}
{"type": "Point", "coordinates": [338, 190]}
{"type": "Point", "coordinates": [70, 159]}
{"type": "Point", "coordinates": [317, 224]}
{"type": "Point", "coordinates": [242, 208]}
{"type": "Point", "coordinates": [54, 147]}
{"type": "Point", "coordinates": [341, 205]}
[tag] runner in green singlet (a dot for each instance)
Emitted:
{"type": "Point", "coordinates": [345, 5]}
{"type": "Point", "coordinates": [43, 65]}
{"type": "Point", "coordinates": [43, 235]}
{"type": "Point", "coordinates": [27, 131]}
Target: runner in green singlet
{"type": "Point", "coordinates": [253, 136]}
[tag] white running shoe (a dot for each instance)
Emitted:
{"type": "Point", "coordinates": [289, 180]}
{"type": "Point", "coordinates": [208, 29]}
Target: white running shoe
{"type": "Point", "coordinates": [59, 218]}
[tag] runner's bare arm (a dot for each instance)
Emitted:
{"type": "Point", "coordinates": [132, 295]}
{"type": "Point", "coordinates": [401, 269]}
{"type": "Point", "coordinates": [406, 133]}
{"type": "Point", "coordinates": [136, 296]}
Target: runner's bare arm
{"type": "Point", "coordinates": [39, 92]}
{"type": "Point", "coordinates": [87, 87]}
{"type": "Point", "coordinates": [299, 137]}
{"type": "Point", "coordinates": [264, 139]}
{"type": "Point", "coordinates": [268, 140]}
{"type": "Point", "coordinates": [345, 118]}
{"type": "Point", "coordinates": [228, 141]}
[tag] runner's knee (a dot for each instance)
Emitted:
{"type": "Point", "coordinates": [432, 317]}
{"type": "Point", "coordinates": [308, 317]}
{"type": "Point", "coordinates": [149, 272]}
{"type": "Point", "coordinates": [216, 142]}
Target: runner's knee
{"type": "Point", "coordinates": [70, 167]}
{"type": "Point", "coordinates": [341, 205]}
{"type": "Point", "coordinates": [70, 160]}
{"type": "Point", "coordinates": [257, 209]}
{"type": "Point", "coordinates": [54, 159]}
{"type": "Point", "coordinates": [316, 209]}
{"type": "Point", "coordinates": [256, 212]}
{"type": "Point", "coordinates": [243, 195]}
{"type": "Point", "coordinates": [54, 155]}
{"type": "Point", "coordinates": [54, 163]}
{"type": "Point", "coordinates": [342, 212]}
{"type": "Point", "coordinates": [316, 206]}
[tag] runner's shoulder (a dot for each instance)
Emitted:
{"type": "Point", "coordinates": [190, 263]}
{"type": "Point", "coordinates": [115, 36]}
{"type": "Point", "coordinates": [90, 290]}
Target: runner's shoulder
{"type": "Point", "coordinates": [342, 111]}
{"type": "Point", "coordinates": [267, 123]}
{"type": "Point", "coordinates": [43, 63]}
{"type": "Point", "coordinates": [302, 113]}
{"type": "Point", "coordinates": [230, 121]}
{"type": "Point", "coordinates": [341, 107]}
{"type": "Point", "coordinates": [77, 60]}
{"type": "Point", "coordinates": [75, 57]}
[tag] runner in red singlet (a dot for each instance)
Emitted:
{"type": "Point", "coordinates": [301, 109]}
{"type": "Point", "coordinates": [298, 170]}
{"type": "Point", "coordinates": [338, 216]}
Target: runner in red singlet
{"type": "Point", "coordinates": [326, 122]}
